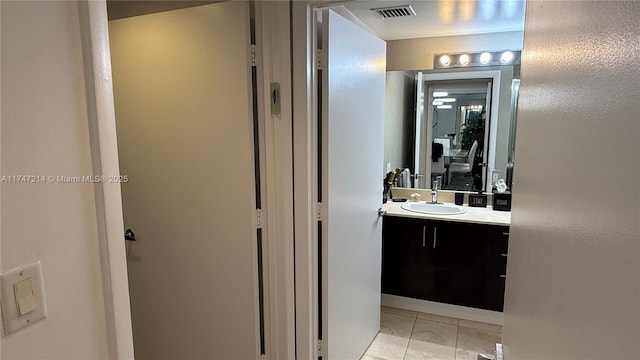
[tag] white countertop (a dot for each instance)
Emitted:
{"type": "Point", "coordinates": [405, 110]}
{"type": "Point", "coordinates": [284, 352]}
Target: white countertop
{"type": "Point", "coordinates": [475, 215]}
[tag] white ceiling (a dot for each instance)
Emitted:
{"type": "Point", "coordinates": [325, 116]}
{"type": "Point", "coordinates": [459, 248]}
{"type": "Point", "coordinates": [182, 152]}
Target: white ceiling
{"type": "Point", "coordinates": [441, 17]}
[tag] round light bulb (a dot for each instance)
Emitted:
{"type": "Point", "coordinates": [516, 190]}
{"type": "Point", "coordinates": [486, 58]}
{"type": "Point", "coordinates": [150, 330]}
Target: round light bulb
{"type": "Point", "coordinates": [485, 57]}
{"type": "Point", "coordinates": [445, 60]}
{"type": "Point", "coordinates": [464, 59]}
{"type": "Point", "coordinates": [506, 57]}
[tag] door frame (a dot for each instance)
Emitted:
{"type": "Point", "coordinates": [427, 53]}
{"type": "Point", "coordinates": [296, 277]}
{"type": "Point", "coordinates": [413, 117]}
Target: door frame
{"type": "Point", "coordinates": [104, 156]}
{"type": "Point", "coordinates": [273, 32]}
{"type": "Point", "coordinates": [273, 29]}
{"type": "Point", "coordinates": [305, 161]}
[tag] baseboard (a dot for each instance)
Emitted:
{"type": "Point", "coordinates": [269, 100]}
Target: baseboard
{"type": "Point", "coordinates": [461, 312]}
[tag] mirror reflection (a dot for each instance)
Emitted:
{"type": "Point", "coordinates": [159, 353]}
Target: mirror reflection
{"type": "Point", "coordinates": [458, 128]}
{"type": "Point", "coordinates": [458, 114]}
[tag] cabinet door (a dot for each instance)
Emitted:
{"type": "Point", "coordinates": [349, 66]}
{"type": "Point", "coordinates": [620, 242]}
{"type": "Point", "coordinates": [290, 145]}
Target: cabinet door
{"type": "Point", "coordinates": [404, 257]}
{"type": "Point", "coordinates": [497, 272]}
{"type": "Point", "coordinates": [458, 265]}
{"type": "Point", "coordinates": [466, 266]}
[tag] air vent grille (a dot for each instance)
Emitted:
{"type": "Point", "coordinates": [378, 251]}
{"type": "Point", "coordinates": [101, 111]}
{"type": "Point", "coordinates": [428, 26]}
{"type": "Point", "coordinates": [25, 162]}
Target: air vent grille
{"type": "Point", "coordinates": [395, 11]}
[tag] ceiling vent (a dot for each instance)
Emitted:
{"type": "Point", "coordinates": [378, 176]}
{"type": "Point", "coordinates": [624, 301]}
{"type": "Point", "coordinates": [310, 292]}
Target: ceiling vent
{"type": "Point", "coordinates": [395, 11]}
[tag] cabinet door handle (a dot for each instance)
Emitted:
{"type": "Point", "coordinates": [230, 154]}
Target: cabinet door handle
{"type": "Point", "coordinates": [424, 236]}
{"type": "Point", "coordinates": [505, 255]}
{"type": "Point", "coordinates": [435, 236]}
{"type": "Point", "coordinates": [505, 233]}
{"type": "Point", "coordinates": [503, 276]}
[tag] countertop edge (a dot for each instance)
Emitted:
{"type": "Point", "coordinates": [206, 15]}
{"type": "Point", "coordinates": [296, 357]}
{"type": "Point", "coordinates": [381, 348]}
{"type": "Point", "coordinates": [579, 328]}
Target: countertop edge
{"type": "Point", "coordinates": [473, 215]}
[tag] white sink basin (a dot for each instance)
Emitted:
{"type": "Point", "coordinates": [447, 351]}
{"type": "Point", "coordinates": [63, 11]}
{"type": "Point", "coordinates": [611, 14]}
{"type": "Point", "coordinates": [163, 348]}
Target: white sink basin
{"type": "Point", "coordinates": [434, 209]}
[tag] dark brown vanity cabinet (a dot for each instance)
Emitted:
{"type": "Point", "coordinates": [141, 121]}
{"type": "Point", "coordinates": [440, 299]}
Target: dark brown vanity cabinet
{"type": "Point", "coordinates": [404, 257]}
{"type": "Point", "coordinates": [450, 262]}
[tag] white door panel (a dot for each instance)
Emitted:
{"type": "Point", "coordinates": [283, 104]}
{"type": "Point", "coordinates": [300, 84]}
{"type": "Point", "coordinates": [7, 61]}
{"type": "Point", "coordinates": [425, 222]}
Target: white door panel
{"type": "Point", "coordinates": [487, 183]}
{"type": "Point", "coordinates": [352, 125]}
{"type": "Point", "coordinates": [184, 121]}
{"type": "Point", "coordinates": [421, 175]}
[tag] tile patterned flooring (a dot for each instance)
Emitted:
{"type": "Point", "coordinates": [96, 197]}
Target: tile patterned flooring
{"type": "Point", "coordinates": [412, 335]}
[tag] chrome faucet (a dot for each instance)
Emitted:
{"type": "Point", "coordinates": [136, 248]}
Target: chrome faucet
{"type": "Point", "coordinates": [434, 190]}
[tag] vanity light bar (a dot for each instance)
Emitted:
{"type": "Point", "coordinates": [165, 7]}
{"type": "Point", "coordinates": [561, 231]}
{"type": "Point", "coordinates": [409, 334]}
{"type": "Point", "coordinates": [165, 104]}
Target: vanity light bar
{"type": "Point", "coordinates": [484, 58]}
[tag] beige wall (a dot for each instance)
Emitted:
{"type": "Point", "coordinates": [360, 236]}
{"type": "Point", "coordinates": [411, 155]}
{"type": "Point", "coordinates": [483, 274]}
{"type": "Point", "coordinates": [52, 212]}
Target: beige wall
{"type": "Point", "coordinates": [417, 54]}
{"type": "Point", "coordinates": [45, 132]}
{"type": "Point", "coordinates": [573, 276]}
{"type": "Point", "coordinates": [399, 118]}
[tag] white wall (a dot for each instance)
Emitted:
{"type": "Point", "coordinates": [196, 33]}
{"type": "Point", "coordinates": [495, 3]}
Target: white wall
{"type": "Point", "coordinates": [573, 277]}
{"type": "Point", "coordinates": [45, 132]}
{"type": "Point", "coordinates": [504, 123]}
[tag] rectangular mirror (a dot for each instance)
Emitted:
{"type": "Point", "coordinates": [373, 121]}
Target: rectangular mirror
{"type": "Point", "coordinates": [454, 126]}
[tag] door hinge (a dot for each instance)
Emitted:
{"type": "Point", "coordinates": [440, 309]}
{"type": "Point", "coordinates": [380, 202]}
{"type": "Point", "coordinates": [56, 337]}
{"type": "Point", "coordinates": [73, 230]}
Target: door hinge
{"type": "Point", "coordinates": [320, 349]}
{"type": "Point", "coordinates": [319, 211]}
{"type": "Point", "coordinates": [260, 218]}
{"type": "Point", "coordinates": [253, 55]}
{"type": "Point", "coordinates": [319, 59]}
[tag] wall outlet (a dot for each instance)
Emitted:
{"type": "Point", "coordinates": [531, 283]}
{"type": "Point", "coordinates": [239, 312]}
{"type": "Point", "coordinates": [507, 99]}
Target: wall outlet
{"type": "Point", "coordinates": [496, 175]}
{"type": "Point", "coordinates": [388, 166]}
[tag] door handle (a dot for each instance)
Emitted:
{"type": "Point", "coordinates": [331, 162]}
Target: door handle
{"type": "Point", "coordinates": [382, 212]}
{"type": "Point", "coordinates": [129, 235]}
{"type": "Point", "coordinates": [424, 236]}
{"type": "Point", "coordinates": [435, 236]}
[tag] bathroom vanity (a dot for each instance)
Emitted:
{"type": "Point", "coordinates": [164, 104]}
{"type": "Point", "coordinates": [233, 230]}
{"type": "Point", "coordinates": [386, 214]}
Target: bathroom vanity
{"type": "Point", "coordinates": [453, 259]}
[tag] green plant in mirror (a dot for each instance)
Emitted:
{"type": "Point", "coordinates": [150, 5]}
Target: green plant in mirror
{"type": "Point", "coordinates": [473, 130]}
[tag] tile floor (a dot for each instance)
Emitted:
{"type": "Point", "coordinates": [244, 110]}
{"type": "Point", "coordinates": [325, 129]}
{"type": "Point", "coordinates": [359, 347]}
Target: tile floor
{"type": "Point", "coordinates": [412, 335]}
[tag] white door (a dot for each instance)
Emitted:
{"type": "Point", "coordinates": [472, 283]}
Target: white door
{"type": "Point", "coordinates": [487, 183]}
{"type": "Point", "coordinates": [184, 120]}
{"type": "Point", "coordinates": [352, 152]}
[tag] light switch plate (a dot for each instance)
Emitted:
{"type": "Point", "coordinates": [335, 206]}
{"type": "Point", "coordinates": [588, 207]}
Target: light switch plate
{"type": "Point", "coordinates": [275, 98]}
{"type": "Point", "coordinates": [12, 321]}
